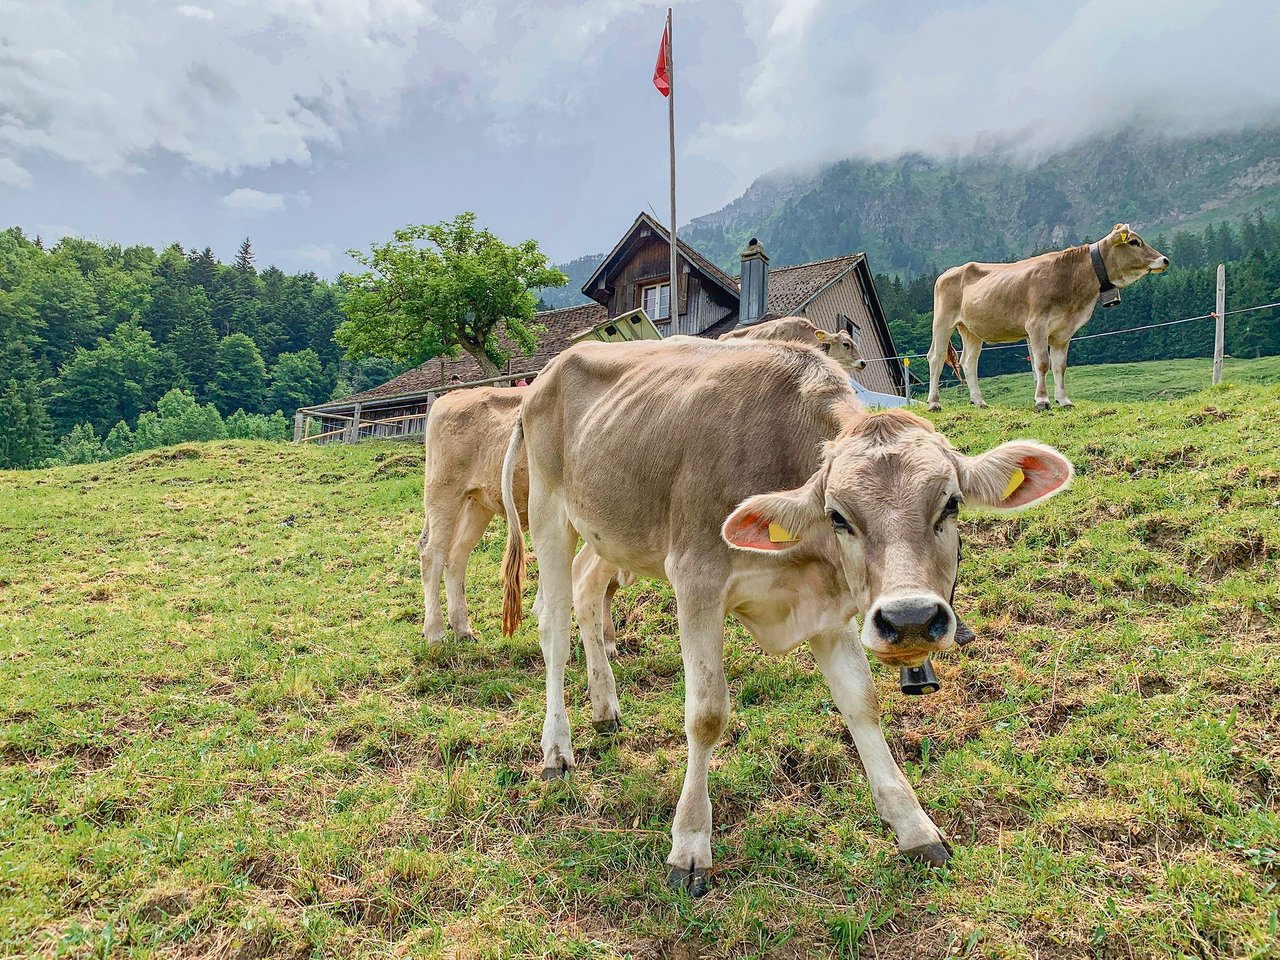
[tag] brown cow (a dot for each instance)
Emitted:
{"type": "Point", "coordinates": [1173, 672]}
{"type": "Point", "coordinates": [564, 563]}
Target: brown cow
{"type": "Point", "coordinates": [838, 346]}
{"type": "Point", "coordinates": [1045, 299]}
{"type": "Point", "coordinates": [466, 435]}
{"type": "Point", "coordinates": [753, 481]}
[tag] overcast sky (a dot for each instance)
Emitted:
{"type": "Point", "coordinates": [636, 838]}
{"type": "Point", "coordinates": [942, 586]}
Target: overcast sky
{"type": "Point", "coordinates": [317, 125]}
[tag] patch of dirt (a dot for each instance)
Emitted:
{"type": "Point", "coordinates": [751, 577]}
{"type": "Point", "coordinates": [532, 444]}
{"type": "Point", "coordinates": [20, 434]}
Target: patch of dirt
{"type": "Point", "coordinates": [168, 455]}
{"type": "Point", "coordinates": [1248, 551]}
{"type": "Point", "coordinates": [401, 465]}
{"type": "Point", "coordinates": [160, 907]}
{"type": "Point", "coordinates": [1152, 685]}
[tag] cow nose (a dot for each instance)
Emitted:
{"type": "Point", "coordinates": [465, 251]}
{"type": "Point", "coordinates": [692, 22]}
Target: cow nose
{"type": "Point", "coordinates": [1164, 261]}
{"type": "Point", "coordinates": [912, 619]}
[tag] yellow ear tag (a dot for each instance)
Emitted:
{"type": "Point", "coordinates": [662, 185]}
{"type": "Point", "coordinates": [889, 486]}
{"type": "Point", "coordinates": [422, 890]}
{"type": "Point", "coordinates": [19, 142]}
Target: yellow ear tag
{"type": "Point", "coordinates": [1014, 483]}
{"type": "Point", "coordinates": [821, 335]}
{"type": "Point", "coordinates": [1123, 237]}
{"type": "Point", "coordinates": [780, 534]}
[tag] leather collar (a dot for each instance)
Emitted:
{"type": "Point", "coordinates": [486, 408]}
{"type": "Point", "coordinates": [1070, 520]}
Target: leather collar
{"type": "Point", "coordinates": [1108, 292]}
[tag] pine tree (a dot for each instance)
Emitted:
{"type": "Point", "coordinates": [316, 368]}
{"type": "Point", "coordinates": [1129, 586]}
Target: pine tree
{"type": "Point", "coordinates": [194, 341]}
{"type": "Point", "coordinates": [244, 259]}
{"type": "Point", "coordinates": [26, 432]}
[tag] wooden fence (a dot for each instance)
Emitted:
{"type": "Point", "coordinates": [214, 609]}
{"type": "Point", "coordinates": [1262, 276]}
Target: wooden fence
{"type": "Point", "coordinates": [404, 415]}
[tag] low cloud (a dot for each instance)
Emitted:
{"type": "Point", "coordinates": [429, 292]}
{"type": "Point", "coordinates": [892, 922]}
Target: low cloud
{"type": "Point", "coordinates": [195, 13]}
{"type": "Point", "coordinates": [253, 201]}
{"type": "Point", "coordinates": [13, 175]}
{"type": "Point", "coordinates": [836, 78]}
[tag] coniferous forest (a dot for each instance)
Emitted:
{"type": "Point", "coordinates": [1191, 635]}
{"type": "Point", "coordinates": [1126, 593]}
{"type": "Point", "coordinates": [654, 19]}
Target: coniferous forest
{"type": "Point", "coordinates": [107, 349]}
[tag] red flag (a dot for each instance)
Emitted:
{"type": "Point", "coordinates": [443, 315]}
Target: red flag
{"type": "Point", "coordinates": [662, 72]}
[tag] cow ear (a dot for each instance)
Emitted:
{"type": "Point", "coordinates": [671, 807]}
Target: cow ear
{"type": "Point", "coordinates": [1014, 475]}
{"type": "Point", "coordinates": [775, 522]}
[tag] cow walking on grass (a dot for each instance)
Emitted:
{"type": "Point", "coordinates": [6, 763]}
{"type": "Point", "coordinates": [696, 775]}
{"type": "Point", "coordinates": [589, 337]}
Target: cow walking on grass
{"type": "Point", "coordinates": [748, 475]}
{"type": "Point", "coordinates": [1045, 299]}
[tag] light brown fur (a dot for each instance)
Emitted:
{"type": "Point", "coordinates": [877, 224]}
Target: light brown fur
{"type": "Point", "coordinates": [673, 459]}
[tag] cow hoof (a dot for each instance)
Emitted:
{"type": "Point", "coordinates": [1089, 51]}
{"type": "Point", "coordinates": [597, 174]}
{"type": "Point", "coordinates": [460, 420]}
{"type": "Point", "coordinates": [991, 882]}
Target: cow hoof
{"type": "Point", "coordinates": [464, 636]}
{"type": "Point", "coordinates": [1042, 407]}
{"type": "Point", "coordinates": [980, 404]}
{"type": "Point", "coordinates": [607, 727]}
{"type": "Point", "coordinates": [935, 406]}
{"type": "Point", "coordinates": [1066, 404]}
{"type": "Point", "coordinates": [934, 854]}
{"type": "Point", "coordinates": [696, 880]}
{"type": "Point", "coordinates": [557, 771]}
{"type": "Point", "coordinates": [611, 650]}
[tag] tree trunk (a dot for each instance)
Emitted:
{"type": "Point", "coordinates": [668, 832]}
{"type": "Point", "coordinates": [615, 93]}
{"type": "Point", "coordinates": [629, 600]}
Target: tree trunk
{"type": "Point", "coordinates": [476, 352]}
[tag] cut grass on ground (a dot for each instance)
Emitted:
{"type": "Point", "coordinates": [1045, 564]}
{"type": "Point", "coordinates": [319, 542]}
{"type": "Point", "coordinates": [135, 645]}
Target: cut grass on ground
{"type": "Point", "coordinates": [221, 735]}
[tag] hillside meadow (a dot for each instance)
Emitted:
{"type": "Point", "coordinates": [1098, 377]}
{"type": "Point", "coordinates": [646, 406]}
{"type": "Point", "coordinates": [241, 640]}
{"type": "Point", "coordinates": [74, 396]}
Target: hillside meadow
{"type": "Point", "coordinates": [222, 736]}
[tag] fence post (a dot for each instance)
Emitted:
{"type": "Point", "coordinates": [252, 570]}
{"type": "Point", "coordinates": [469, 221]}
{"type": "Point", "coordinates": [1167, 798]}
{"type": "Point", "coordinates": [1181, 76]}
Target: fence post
{"type": "Point", "coordinates": [353, 428]}
{"type": "Point", "coordinates": [298, 417]}
{"type": "Point", "coordinates": [1219, 323]}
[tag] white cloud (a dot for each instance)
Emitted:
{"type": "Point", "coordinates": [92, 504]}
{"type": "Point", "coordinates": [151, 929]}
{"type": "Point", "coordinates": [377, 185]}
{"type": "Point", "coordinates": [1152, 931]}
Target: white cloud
{"type": "Point", "coordinates": [195, 13]}
{"type": "Point", "coordinates": [13, 175]}
{"type": "Point", "coordinates": [841, 77]}
{"type": "Point", "coordinates": [314, 254]}
{"type": "Point", "coordinates": [254, 201]}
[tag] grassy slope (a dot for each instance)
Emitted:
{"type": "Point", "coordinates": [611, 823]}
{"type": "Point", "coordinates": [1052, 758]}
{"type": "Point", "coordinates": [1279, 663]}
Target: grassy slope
{"type": "Point", "coordinates": [1123, 382]}
{"type": "Point", "coordinates": [220, 733]}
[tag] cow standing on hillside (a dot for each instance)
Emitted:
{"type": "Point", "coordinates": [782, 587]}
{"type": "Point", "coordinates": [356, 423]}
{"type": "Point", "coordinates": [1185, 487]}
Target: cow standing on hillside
{"type": "Point", "coordinates": [748, 475]}
{"type": "Point", "coordinates": [1045, 299]}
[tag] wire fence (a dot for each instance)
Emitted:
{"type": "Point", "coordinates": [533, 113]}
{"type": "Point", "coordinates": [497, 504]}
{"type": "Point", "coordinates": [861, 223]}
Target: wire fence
{"type": "Point", "coordinates": [1212, 315]}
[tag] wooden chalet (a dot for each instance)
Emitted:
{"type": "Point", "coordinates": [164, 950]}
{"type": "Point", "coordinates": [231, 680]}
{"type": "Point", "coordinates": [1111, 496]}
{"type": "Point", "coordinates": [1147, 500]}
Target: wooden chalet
{"type": "Point", "coordinates": [835, 294]}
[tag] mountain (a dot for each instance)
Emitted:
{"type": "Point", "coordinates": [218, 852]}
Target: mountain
{"type": "Point", "coordinates": [916, 213]}
{"type": "Point", "coordinates": [578, 271]}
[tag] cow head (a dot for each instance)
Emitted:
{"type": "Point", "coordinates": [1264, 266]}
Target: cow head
{"type": "Point", "coordinates": [884, 506]}
{"type": "Point", "coordinates": [1128, 257]}
{"type": "Point", "coordinates": [841, 348]}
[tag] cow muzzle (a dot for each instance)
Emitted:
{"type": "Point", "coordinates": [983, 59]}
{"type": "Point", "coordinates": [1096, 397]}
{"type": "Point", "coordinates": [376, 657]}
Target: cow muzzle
{"type": "Point", "coordinates": [1159, 265]}
{"type": "Point", "coordinates": [903, 630]}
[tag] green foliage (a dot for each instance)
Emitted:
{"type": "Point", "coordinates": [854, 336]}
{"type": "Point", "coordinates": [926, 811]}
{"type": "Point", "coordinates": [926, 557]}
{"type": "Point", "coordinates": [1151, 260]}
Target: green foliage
{"type": "Point", "coordinates": [223, 736]}
{"type": "Point", "coordinates": [257, 426]}
{"type": "Point", "coordinates": [433, 290]}
{"type": "Point", "coordinates": [178, 418]}
{"type": "Point", "coordinates": [240, 377]}
{"type": "Point", "coordinates": [116, 380]}
{"type": "Point", "coordinates": [80, 445]}
{"type": "Point", "coordinates": [97, 333]}
{"type": "Point", "coordinates": [26, 432]}
{"type": "Point", "coordinates": [297, 380]}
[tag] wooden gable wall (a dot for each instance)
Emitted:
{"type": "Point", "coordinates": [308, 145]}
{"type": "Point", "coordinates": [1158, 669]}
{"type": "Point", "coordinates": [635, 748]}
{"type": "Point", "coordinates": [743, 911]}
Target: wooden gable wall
{"type": "Point", "coordinates": [700, 302]}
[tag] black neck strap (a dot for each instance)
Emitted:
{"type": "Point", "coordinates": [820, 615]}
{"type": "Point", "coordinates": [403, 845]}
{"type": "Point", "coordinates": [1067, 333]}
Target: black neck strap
{"type": "Point", "coordinates": [1108, 293]}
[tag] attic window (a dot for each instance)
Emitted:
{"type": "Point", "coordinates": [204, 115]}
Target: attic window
{"type": "Point", "coordinates": [852, 329]}
{"type": "Point", "coordinates": [655, 299]}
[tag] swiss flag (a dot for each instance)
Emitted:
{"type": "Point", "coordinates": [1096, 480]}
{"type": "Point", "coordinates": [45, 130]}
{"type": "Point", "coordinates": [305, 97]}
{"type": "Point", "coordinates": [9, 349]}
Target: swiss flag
{"type": "Point", "coordinates": [662, 72]}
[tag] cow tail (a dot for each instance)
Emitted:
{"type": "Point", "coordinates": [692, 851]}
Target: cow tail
{"type": "Point", "coordinates": [953, 361]}
{"type": "Point", "coordinates": [513, 559]}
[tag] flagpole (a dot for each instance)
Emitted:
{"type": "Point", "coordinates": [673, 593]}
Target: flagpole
{"type": "Point", "coordinates": [673, 295]}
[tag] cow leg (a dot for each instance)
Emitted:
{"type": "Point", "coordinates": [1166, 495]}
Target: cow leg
{"type": "Point", "coordinates": [554, 541]}
{"type": "Point", "coordinates": [1038, 341]}
{"type": "Point", "coordinates": [971, 352]}
{"type": "Point", "coordinates": [942, 327]}
{"type": "Point", "coordinates": [433, 550]}
{"type": "Point", "coordinates": [467, 534]}
{"type": "Point", "coordinates": [610, 631]}
{"type": "Point", "coordinates": [1058, 360]}
{"type": "Point", "coordinates": [844, 663]}
{"type": "Point", "coordinates": [592, 577]}
{"type": "Point", "coordinates": [706, 712]}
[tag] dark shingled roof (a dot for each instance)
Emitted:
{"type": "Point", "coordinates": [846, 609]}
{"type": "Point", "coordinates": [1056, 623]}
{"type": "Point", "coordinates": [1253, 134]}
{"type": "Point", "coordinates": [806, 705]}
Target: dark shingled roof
{"type": "Point", "coordinates": [703, 265]}
{"type": "Point", "coordinates": [790, 288]}
{"type": "Point", "coordinates": [561, 325]}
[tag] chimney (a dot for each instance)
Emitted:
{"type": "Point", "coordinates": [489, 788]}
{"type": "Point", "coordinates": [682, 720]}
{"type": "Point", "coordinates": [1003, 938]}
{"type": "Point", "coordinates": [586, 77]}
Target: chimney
{"type": "Point", "coordinates": [753, 287]}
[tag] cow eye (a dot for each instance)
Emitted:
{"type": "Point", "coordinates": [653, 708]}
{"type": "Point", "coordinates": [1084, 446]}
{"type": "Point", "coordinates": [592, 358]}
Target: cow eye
{"type": "Point", "coordinates": [1135, 242]}
{"type": "Point", "coordinates": [952, 509]}
{"type": "Point", "coordinates": [839, 522]}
